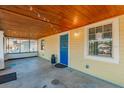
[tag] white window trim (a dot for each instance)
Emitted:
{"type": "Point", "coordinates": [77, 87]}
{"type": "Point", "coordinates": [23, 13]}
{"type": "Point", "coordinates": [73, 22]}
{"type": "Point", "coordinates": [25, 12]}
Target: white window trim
{"type": "Point", "coordinates": [115, 44]}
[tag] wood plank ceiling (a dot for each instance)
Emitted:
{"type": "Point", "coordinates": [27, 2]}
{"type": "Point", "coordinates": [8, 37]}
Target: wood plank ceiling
{"type": "Point", "coordinates": [39, 21]}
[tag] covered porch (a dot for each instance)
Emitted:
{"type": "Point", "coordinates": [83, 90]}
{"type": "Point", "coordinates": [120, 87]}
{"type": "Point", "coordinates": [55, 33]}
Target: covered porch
{"type": "Point", "coordinates": [38, 73]}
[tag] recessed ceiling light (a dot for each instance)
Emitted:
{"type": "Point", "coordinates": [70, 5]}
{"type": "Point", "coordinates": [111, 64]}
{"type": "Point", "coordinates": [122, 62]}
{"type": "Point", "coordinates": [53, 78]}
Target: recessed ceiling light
{"type": "Point", "coordinates": [38, 15]}
{"type": "Point", "coordinates": [31, 8]}
{"type": "Point", "coordinates": [75, 20]}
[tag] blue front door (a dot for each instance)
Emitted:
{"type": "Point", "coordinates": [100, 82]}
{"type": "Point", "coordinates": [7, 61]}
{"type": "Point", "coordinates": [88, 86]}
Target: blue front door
{"type": "Point", "coordinates": [64, 49]}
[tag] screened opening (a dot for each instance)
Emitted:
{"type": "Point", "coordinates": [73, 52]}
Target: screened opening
{"type": "Point", "coordinates": [15, 45]}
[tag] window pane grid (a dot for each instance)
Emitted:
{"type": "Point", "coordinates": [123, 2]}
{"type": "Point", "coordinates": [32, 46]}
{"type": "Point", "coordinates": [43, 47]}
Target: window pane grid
{"type": "Point", "coordinates": [14, 45]}
{"type": "Point", "coordinates": [100, 41]}
{"type": "Point", "coordinates": [33, 45]}
{"type": "Point", "coordinates": [24, 45]}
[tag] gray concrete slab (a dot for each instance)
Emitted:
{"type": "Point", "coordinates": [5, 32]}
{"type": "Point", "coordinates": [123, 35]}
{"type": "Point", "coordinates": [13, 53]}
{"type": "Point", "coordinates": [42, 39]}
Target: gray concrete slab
{"type": "Point", "coordinates": [38, 73]}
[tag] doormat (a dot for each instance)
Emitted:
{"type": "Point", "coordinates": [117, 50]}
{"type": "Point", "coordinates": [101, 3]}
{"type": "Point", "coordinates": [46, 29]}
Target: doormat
{"type": "Point", "coordinates": [8, 77]}
{"type": "Point", "coordinates": [60, 65]}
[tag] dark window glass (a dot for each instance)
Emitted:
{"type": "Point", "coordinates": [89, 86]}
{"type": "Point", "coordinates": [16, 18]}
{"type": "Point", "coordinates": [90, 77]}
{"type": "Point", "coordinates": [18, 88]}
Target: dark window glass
{"type": "Point", "coordinates": [91, 37]}
{"type": "Point", "coordinates": [108, 27]}
{"type": "Point", "coordinates": [92, 31]}
{"type": "Point", "coordinates": [107, 35]}
{"type": "Point", "coordinates": [42, 44]}
{"type": "Point", "coordinates": [99, 29]}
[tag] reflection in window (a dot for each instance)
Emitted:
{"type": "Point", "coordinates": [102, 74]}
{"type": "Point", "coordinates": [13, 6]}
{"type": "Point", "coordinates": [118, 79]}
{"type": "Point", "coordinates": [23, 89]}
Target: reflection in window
{"type": "Point", "coordinates": [14, 46]}
{"type": "Point", "coordinates": [33, 45]}
{"type": "Point", "coordinates": [100, 41]}
{"type": "Point", "coordinates": [24, 45]}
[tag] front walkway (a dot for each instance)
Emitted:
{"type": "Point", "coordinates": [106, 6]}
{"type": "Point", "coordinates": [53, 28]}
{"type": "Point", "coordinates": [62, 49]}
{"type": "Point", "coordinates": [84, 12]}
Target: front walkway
{"type": "Point", "coordinates": [38, 73]}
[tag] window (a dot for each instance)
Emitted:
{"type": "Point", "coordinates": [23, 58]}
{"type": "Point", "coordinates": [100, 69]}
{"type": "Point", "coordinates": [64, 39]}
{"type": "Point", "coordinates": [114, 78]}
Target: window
{"type": "Point", "coordinates": [102, 41]}
{"type": "Point", "coordinates": [42, 44]}
{"type": "Point", "coordinates": [24, 45]}
{"type": "Point", "coordinates": [14, 45]}
{"type": "Point", "coordinates": [33, 45]}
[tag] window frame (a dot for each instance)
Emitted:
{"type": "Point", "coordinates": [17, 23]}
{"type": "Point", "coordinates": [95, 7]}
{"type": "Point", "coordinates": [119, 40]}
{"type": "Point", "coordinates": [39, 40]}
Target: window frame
{"type": "Point", "coordinates": [30, 46]}
{"type": "Point", "coordinates": [7, 39]}
{"type": "Point", "coordinates": [115, 41]}
{"type": "Point", "coordinates": [42, 44]}
{"type": "Point", "coordinates": [21, 40]}
{"type": "Point", "coordinates": [102, 39]}
{"type": "Point", "coordinates": [9, 45]}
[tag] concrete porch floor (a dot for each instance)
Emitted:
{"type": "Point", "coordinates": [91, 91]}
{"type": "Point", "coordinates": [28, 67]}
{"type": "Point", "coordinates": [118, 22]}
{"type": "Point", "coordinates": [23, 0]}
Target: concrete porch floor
{"type": "Point", "coordinates": [38, 73]}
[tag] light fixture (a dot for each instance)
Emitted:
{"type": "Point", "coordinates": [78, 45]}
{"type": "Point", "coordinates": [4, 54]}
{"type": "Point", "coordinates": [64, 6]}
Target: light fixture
{"type": "Point", "coordinates": [38, 15]}
{"type": "Point", "coordinates": [31, 8]}
{"type": "Point", "coordinates": [76, 34]}
{"type": "Point", "coordinates": [75, 20]}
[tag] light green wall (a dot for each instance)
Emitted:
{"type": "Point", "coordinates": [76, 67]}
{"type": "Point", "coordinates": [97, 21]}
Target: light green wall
{"type": "Point", "coordinates": [107, 71]}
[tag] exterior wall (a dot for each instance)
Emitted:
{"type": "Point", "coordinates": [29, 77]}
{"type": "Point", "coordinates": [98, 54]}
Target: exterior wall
{"type": "Point", "coordinates": [107, 71]}
{"type": "Point", "coordinates": [51, 47]}
{"type": "Point", "coordinates": [1, 51]}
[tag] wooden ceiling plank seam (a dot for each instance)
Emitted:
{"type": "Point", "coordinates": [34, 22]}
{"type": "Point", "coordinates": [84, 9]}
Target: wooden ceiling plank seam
{"type": "Point", "coordinates": [91, 14]}
{"type": "Point", "coordinates": [13, 12]}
